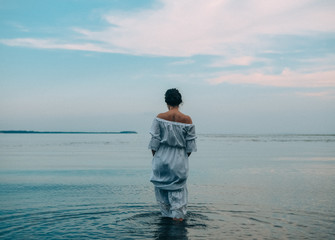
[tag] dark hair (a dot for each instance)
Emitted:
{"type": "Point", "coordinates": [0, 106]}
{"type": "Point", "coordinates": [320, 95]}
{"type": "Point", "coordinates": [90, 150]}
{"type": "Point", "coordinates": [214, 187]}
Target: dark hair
{"type": "Point", "coordinates": [173, 97]}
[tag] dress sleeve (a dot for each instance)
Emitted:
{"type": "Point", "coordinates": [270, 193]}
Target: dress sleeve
{"type": "Point", "coordinates": [155, 136]}
{"type": "Point", "coordinates": [190, 140]}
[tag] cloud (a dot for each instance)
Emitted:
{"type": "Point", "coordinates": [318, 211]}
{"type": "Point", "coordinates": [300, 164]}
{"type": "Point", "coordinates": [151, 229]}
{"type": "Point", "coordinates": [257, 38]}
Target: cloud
{"type": "Point", "coordinates": [193, 27]}
{"type": "Point", "coordinates": [241, 61]}
{"type": "Point", "coordinates": [183, 62]}
{"type": "Point", "coordinates": [318, 64]}
{"type": "Point", "coordinates": [329, 94]}
{"type": "Point", "coordinates": [55, 44]}
{"type": "Point", "coordinates": [197, 27]}
{"type": "Point", "coordinates": [236, 61]}
{"type": "Point", "coordinates": [287, 78]}
{"type": "Point", "coordinates": [18, 26]}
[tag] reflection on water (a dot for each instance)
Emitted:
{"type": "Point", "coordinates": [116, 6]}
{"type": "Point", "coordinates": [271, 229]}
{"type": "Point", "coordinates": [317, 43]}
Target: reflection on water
{"type": "Point", "coordinates": [169, 229]}
{"type": "Point", "coordinates": [160, 227]}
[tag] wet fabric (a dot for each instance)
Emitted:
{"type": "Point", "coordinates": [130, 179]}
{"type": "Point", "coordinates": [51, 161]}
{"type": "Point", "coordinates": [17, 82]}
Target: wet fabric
{"type": "Point", "coordinates": [172, 203]}
{"type": "Point", "coordinates": [171, 141]}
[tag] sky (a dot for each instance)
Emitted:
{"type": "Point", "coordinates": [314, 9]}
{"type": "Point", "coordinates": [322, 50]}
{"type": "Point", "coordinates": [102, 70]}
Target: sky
{"type": "Point", "coordinates": [243, 67]}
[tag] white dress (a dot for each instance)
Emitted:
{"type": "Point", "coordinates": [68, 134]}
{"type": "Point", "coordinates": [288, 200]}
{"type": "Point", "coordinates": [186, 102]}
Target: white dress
{"type": "Point", "coordinates": [171, 141]}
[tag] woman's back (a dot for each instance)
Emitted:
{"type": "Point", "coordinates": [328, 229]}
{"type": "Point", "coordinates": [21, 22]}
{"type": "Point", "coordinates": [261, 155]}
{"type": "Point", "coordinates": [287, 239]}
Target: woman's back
{"type": "Point", "coordinates": [175, 116]}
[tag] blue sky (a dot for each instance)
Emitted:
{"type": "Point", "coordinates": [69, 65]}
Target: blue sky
{"type": "Point", "coordinates": [104, 65]}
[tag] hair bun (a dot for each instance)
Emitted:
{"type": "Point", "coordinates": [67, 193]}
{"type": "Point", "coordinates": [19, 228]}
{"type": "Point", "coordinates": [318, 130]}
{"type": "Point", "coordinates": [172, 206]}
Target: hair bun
{"type": "Point", "coordinates": [173, 97]}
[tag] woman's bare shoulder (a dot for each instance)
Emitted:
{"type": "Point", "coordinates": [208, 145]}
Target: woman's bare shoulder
{"type": "Point", "coordinates": [180, 117]}
{"type": "Point", "coordinates": [163, 116]}
{"type": "Point", "coordinates": [188, 119]}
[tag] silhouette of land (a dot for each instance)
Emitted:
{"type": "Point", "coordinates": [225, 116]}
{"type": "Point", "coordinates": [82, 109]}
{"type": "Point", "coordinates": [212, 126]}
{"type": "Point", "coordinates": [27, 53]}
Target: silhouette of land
{"type": "Point", "coordinates": [61, 132]}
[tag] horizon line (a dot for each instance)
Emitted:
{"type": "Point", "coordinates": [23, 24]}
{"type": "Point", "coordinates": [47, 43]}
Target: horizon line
{"type": "Point", "coordinates": [64, 132]}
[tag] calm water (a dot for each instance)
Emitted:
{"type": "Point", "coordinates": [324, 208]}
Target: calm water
{"type": "Point", "coordinates": [86, 186]}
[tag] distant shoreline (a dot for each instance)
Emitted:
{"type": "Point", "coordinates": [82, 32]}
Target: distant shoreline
{"type": "Point", "coordinates": [61, 132]}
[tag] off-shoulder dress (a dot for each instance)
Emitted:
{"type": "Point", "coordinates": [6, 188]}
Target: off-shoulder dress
{"type": "Point", "coordinates": [172, 142]}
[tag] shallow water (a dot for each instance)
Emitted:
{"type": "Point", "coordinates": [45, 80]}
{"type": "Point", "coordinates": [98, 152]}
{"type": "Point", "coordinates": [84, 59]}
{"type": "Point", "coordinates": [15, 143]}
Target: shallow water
{"type": "Point", "coordinates": [63, 186]}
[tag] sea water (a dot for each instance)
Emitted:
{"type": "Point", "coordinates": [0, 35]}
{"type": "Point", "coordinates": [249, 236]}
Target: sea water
{"type": "Point", "coordinates": [96, 186]}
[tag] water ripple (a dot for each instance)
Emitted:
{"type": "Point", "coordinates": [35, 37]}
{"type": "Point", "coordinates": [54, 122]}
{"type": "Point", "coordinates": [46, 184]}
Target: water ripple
{"type": "Point", "coordinates": [143, 221]}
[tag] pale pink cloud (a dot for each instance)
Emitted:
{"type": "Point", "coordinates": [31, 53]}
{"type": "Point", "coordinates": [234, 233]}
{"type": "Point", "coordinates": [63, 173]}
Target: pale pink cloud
{"type": "Point", "coordinates": [287, 78]}
{"type": "Point", "coordinates": [217, 27]}
{"type": "Point", "coordinates": [192, 27]}
{"type": "Point", "coordinates": [241, 61]}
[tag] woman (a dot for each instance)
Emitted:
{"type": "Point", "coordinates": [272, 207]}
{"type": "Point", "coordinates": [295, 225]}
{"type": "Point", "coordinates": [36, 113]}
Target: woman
{"type": "Point", "coordinates": [172, 141]}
